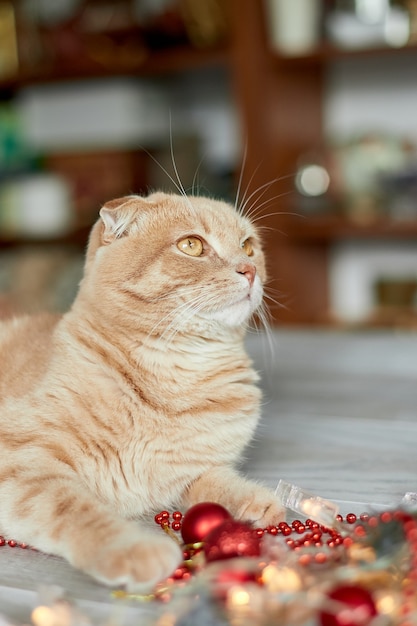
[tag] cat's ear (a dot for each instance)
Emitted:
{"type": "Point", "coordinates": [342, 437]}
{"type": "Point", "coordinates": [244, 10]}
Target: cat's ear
{"type": "Point", "coordinates": [117, 216]}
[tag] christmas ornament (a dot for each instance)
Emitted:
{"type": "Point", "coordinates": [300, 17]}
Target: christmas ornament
{"type": "Point", "coordinates": [354, 606]}
{"type": "Point", "coordinates": [236, 575]}
{"type": "Point", "coordinates": [237, 572]}
{"type": "Point", "coordinates": [200, 519]}
{"type": "Point", "coordinates": [358, 570]}
{"type": "Point", "coordinates": [231, 539]}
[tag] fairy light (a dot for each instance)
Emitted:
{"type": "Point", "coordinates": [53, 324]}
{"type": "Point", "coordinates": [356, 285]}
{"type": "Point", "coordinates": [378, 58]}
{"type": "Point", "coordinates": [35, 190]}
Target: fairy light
{"type": "Point", "coordinates": [43, 616]}
{"type": "Point", "coordinates": [304, 503]}
{"type": "Point", "coordinates": [59, 614]}
{"type": "Point", "coordinates": [279, 579]}
{"type": "Point", "coordinates": [238, 597]}
{"type": "Point", "coordinates": [387, 602]}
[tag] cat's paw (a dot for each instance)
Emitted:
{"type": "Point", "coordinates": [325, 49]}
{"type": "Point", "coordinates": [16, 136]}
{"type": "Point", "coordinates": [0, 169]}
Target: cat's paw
{"type": "Point", "coordinates": [137, 565]}
{"type": "Point", "coordinates": [261, 509]}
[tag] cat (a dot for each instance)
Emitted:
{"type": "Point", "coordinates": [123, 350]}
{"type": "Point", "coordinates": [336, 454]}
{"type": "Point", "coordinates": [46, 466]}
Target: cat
{"type": "Point", "coordinates": [141, 396]}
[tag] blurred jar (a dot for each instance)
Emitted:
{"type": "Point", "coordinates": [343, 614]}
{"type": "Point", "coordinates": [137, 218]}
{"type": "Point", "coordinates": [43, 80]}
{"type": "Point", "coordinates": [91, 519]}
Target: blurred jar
{"type": "Point", "coordinates": [36, 206]}
{"type": "Point", "coordinates": [294, 25]}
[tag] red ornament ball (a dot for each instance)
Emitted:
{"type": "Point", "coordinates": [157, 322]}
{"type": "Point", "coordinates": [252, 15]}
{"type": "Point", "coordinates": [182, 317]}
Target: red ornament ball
{"type": "Point", "coordinates": [227, 578]}
{"type": "Point", "coordinates": [357, 610]}
{"type": "Point", "coordinates": [231, 539]}
{"type": "Point", "coordinates": [202, 518]}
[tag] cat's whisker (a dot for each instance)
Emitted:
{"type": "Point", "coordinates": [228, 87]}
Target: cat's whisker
{"type": "Point", "coordinates": [177, 183]}
{"type": "Point", "coordinates": [180, 186]}
{"type": "Point", "coordinates": [239, 202]}
{"type": "Point", "coordinates": [281, 213]}
{"type": "Point", "coordinates": [244, 199]}
{"type": "Point", "coordinates": [263, 188]}
{"type": "Point", "coordinates": [239, 184]}
{"type": "Point", "coordinates": [253, 212]}
{"type": "Point", "coordinates": [178, 324]}
{"type": "Point", "coordinates": [166, 317]}
{"type": "Point", "coordinates": [181, 315]}
{"type": "Point", "coordinates": [195, 177]}
{"type": "Point", "coordinates": [273, 229]}
{"type": "Point", "coordinates": [184, 313]}
{"type": "Point", "coordinates": [265, 317]}
{"type": "Point", "coordinates": [272, 290]}
{"type": "Point", "coordinates": [275, 301]}
{"type": "Point", "coordinates": [163, 169]}
{"type": "Point", "coordinates": [183, 291]}
{"type": "Point", "coordinates": [181, 310]}
{"type": "Point", "coordinates": [177, 310]}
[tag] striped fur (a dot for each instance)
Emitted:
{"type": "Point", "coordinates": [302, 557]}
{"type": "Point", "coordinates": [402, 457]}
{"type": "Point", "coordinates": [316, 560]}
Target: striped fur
{"type": "Point", "coordinates": [141, 397]}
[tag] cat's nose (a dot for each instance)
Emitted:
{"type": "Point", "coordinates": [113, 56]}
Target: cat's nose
{"type": "Point", "coordinates": [249, 271]}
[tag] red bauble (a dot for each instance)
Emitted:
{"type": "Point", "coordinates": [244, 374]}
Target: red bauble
{"type": "Point", "coordinates": [358, 609]}
{"type": "Point", "coordinates": [231, 539]}
{"type": "Point", "coordinates": [226, 578]}
{"type": "Point", "coordinates": [200, 519]}
{"type": "Point", "coordinates": [235, 576]}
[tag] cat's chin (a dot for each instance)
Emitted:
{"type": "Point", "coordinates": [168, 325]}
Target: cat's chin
{"type": "Point", "coordinates": [233, 315]}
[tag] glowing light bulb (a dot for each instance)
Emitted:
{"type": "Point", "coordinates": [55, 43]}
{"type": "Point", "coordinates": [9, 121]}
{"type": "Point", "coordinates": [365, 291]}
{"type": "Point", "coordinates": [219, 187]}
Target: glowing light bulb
{"type": "Point", "coordinates": [43, 616]}
{"type": "Point", "coordinates": [312, 180]}
{"type": "Point", "coordinates": [281, 579]}
{"type": "Point", "coordinates": [59, 614]}
{"type": "Point", "coordinates": [238, 596]}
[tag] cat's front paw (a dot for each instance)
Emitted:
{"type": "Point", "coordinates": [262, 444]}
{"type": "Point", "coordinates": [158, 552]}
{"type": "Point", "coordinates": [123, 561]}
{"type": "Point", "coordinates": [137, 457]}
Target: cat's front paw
{"type": "Point", "coordinates": [261, 509]}
{"type": "Point", "coordinates": [137, 565]}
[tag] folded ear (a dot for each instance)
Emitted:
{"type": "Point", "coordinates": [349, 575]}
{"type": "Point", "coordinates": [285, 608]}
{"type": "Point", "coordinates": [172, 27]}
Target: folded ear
{"type": "Point", "coordinates": [117, 217]}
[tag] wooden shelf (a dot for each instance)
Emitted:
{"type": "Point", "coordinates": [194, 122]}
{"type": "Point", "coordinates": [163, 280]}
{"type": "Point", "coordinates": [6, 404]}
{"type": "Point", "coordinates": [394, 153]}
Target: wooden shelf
{"type": "Point", "coordinates": [326, 228]}
{"type": "Point", "coordinates": [327, 51]}
{"type": "Point", "coordinates": [161, 62]}
{"type": "Point", "coordinates": [77, 237]}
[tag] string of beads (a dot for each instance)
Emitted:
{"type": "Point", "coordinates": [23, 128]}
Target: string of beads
{"type": "Point", "coordinates": [327, 541]}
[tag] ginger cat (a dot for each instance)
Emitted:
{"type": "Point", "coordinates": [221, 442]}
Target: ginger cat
{"type": "Point", "coordinates": [141, 397]}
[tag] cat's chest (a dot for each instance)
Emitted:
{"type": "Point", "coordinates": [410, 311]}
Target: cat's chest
{"type": "Point", "coordinates": [155, 473]}
{"type": "Point", "coordinates": [160, 424]}
{"type": "Point", "coordinates": [188, 379]}
{"type": "Point", "coordinates": [159, 455]}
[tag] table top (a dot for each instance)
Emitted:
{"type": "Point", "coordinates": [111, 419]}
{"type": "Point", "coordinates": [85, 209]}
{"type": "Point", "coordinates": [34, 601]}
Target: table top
{"type": "Point", "coordinates": [339, 420]}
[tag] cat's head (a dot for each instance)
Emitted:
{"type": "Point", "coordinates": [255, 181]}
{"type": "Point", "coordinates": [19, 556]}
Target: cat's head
{"type": "Point", "coordinates": [187, 260]}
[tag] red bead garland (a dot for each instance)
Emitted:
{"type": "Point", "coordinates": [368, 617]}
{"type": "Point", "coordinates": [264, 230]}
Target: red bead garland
{"type": "Point", "coordinates": [327, 541]}
{"type": "Point", "coordinates": [315, 546]}
{"type": "Point", "coordinates": [12, 543]}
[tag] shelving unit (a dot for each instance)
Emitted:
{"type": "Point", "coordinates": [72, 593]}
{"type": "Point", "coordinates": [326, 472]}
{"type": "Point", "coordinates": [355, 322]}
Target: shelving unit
{"type": "Point", "coordinates": [163, 62]}
{"type": "Point", "coordinates": [279, 102]}
{"type": "Point", "coordinates": [333, 227]}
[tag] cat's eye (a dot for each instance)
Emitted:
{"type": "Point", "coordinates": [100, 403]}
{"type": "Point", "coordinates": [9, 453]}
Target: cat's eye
{"type": "Point", "coordinates": [193, 246]}
{"type": "Point", "coordinates": [247, 247]}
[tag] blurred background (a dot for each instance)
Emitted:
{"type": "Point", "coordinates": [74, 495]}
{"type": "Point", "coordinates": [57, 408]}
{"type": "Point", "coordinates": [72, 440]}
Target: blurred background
{"type": "Point", "coordinates": [305, 108]}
